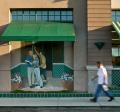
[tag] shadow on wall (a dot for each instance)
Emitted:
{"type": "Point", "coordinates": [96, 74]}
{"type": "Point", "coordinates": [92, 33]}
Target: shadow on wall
{"type": "Point", "coordinates": [94, 33]}
{"type": "Point", "coordinates": [5, 52]}
{"type": "Point", "coordinates": [2, 28]}
{"type": "Point", "coordinates": [5, 63]}
{"type": "Point", "coordinates": [104, 55]}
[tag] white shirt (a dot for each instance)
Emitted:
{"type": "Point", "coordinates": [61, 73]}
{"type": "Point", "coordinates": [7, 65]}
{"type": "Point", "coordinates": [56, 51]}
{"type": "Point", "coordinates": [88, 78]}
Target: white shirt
{"type": "Point", "coordinates": [102, 75]}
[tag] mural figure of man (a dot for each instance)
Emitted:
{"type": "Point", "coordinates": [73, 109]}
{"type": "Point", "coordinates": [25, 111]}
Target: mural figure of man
{"type": "Point", "coordinates": [36, 69]}
{"type": "Point", "coordinates": [28, 61]}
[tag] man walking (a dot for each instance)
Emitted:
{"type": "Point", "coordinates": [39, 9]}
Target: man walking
{"type": "Point", "coordinates": [102, 83]}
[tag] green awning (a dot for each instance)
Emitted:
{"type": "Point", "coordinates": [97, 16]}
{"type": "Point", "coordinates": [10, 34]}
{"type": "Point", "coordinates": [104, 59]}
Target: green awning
{"type": "Point", "coordinates": [116, 26]}
{"type": "Point", "coordinates": [39, 31]}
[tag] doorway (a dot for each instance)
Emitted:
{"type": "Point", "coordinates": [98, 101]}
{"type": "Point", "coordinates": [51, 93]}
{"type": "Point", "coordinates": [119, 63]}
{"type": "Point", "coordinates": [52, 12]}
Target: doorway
{"type": "Point", "coordinates": [53, 51]}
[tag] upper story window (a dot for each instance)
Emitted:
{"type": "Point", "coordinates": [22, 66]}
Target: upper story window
{"type": "Point", "coordinates": [116, 15]}
{"type": "Point", "coordinates": [61, 15]}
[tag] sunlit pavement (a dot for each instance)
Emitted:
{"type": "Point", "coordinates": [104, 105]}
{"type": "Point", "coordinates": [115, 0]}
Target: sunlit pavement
{"type": "Point", "coordinates": [58, 102]}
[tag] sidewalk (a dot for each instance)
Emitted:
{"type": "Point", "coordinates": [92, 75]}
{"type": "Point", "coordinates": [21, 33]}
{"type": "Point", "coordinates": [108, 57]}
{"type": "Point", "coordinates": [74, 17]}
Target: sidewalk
{"type": "Point", "coordinates": [58, 102]}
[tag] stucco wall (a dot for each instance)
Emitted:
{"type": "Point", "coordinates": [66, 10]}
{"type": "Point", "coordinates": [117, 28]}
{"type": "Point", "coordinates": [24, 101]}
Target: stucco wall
{"type": "Point", "coordinates": [5, 84]}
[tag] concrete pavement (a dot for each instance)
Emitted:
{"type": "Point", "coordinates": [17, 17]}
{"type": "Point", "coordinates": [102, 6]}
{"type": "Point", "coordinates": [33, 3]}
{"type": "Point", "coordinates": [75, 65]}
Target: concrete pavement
{"type": "Point", "coordinates": [58, 102]}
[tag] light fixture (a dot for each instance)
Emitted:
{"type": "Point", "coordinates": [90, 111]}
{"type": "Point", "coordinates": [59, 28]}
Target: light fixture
{"type": "Point", "coordinates": [99, 45]}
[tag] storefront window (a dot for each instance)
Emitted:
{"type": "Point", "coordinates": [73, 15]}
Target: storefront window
{"type": "Point", "coordinates": [60, 15]}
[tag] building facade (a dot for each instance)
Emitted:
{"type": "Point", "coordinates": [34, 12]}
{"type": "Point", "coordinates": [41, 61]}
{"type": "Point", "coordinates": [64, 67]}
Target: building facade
{"type": "Point", "coordinates": [92, 27]}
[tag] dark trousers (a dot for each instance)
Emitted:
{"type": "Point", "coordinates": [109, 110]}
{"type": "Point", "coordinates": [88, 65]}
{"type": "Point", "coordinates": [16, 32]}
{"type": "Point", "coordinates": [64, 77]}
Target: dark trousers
{"type": "Point", "coordinates": [44, 73]}
{"type": "Point", "coordinates": [99, 89]}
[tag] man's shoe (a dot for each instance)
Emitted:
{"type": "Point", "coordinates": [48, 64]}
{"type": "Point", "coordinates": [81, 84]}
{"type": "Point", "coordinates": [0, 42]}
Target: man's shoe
{"type": "Point", "coordinates": [111, 99]}
{"type": "Point", "coordinates": [41, 86]}
{"type": "Point", "coordinates": [93, 100]}
{"type": "Point", "coordinates": [32, 86]}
